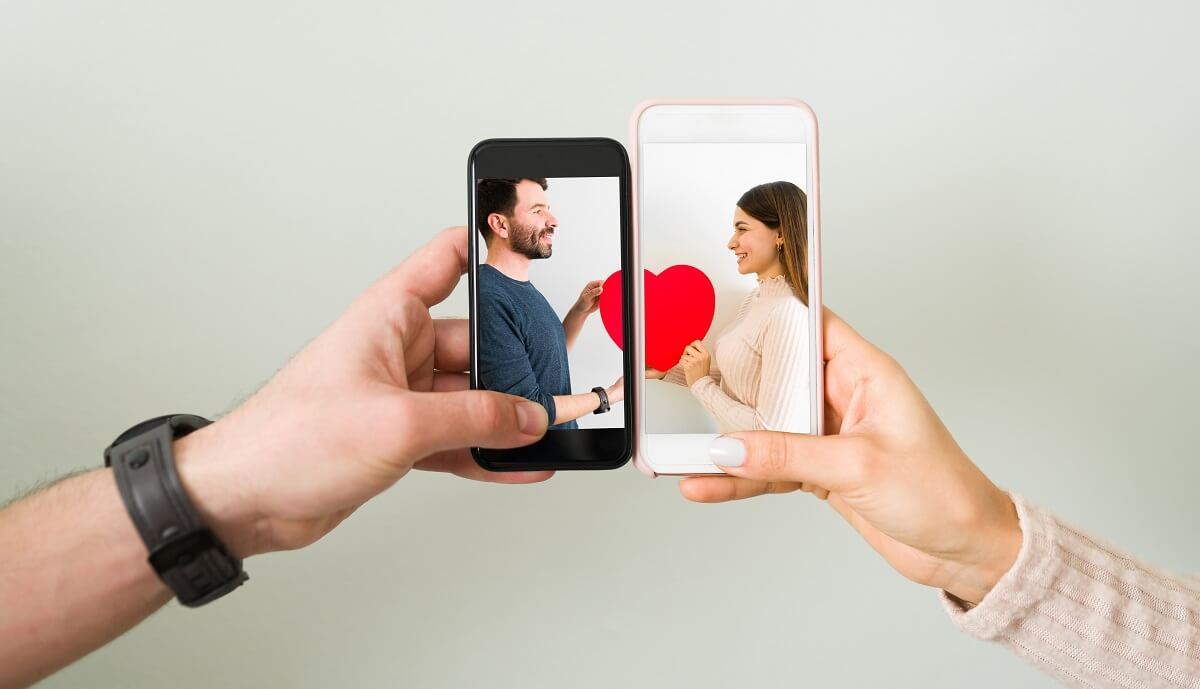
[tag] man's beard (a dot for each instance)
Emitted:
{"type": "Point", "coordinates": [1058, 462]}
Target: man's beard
{"type": "Point", "coordinates": [527, 241]}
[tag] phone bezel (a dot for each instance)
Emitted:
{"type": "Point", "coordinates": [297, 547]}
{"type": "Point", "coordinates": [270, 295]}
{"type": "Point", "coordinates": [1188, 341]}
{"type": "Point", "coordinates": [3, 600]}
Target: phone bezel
{"type": "Point", "coordinates": [687, 446]}
{"type": "Point", "coordinates": [591, 448]}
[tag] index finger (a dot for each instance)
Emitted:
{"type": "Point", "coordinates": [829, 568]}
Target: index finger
{"type": "Point", "coordinates": [431, 272]}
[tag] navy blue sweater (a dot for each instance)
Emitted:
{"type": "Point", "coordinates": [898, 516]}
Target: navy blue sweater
{"type": "Point", "coordinates": [522, 346]}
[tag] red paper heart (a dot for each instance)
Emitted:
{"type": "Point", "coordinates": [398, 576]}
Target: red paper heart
{"type": "Point", "coordinates": [680, 302]}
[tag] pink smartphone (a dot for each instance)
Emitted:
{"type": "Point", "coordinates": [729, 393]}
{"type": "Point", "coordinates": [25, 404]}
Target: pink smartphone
{"type": "Point", "coordinates": [726, 228]}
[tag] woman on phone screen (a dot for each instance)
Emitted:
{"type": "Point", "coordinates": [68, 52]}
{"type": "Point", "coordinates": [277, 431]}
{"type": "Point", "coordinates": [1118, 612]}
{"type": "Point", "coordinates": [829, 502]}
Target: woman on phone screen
{"type": "Point", "coordinates": [757, 378]}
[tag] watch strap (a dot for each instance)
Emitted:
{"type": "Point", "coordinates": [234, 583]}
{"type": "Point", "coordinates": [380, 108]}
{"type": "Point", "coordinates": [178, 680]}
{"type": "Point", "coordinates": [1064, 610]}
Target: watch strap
{"type": "Point", "coordinates": [186, 555]}
{"type": "Point", "coordinates": [603, 394]}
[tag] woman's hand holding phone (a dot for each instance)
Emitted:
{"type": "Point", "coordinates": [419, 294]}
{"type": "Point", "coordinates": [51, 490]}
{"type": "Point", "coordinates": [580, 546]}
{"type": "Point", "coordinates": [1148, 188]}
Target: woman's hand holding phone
{"type": "Point", "coordinates": [893, 471]}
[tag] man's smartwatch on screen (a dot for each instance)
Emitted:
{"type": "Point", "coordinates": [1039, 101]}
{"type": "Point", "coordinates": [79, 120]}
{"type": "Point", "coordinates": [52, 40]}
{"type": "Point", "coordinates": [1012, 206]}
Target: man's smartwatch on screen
{"type": "Point", "coordinates": [603, 394]}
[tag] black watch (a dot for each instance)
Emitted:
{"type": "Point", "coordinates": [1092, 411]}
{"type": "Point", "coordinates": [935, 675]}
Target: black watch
{"type": "Point", "coordinates": [603, 400]}
{"type": "Point", "coordinates": [183, 551]}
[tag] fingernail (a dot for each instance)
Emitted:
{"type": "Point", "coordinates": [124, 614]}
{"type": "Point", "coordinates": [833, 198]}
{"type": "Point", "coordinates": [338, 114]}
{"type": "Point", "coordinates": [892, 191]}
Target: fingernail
{"type": "Point", "coordinates": [727, 452]}
{"type": "Point", "coordinates": [531, 417]}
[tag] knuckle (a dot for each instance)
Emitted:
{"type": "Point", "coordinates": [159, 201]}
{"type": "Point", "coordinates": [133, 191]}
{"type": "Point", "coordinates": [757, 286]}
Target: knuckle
{"type": "Point", "coordinates": [412, 309]}
{"type": "Point", "coordinates": [399, 311]}
{"type": "Point", "coordinates": [773, 458]}
{"type": "Point", "coordinates": [776, 487]}
{"type": "Point", "coordinates": [487, 411]}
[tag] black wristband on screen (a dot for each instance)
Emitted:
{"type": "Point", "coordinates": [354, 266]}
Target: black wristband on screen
{"type": "Point", "coordinates": [183, 551]}
{"type": "Point", "coordinates": [603, 400]}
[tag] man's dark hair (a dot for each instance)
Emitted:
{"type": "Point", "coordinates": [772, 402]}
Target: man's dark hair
{"type": "Point", "coordinates": [498, 196]}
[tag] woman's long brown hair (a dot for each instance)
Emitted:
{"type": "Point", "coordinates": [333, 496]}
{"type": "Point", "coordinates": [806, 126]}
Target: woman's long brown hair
{"type": "Point", "coordinates": [783, 207]}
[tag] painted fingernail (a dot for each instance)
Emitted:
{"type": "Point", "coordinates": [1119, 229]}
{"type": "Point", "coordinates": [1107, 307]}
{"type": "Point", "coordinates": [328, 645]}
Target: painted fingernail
{"type": "Point", "coordinates": [727, 452]}
{"type": "Point", "coordinates": [531, 417]}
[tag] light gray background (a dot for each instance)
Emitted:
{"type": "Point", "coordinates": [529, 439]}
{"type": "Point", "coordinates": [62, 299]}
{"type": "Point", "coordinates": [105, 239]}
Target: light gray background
{"type": "Point", "coordinates": [689, 192]}
{"type": "Point", "coordinates": [587, 246]}
{"type": "Point", "coordinates": [190, 191]}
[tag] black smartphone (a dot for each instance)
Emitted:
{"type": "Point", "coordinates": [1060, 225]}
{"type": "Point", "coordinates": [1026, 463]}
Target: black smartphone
{"type": "Point", "coordinates": [551, 288]}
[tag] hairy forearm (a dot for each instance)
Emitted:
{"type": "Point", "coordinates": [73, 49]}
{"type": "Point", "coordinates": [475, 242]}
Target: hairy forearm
{"type": "Point", "coordinates": [74, 576]}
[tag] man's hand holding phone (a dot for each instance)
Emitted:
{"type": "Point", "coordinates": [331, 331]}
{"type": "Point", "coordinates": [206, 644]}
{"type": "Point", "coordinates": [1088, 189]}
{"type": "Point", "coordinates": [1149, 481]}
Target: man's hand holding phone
{"type": "Point", "coordinates": [382, 391]}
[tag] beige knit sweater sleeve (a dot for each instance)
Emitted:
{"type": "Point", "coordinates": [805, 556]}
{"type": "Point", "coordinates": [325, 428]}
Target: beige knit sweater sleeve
{"type": "Point", "coordinates": [782, 402]}
{"type": "Point", "coordinates": [1087, 613]}
{"type": "Point", "coordinates": [677, 376]}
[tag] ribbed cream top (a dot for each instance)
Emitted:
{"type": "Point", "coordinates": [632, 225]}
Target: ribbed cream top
{"type": "Point", "coordinates": [759, 378]}
{"type": "Point", "coordinates": [1089, 614]}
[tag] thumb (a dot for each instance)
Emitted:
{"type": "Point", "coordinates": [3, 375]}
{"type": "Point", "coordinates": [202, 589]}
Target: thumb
{"type": "Point", "coordinates": [440, 421]}
{"type": "Point", "coordinates": [833, 462]}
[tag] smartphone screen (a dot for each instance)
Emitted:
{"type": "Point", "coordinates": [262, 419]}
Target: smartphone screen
{"type": "Point", "coordinates": [549, 261]}
{"type": "Point", "coordinates": [727, 225]}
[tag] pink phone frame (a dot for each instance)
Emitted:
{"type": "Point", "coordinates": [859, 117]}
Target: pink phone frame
{"type": "Point", "coordinates": [814, 278]}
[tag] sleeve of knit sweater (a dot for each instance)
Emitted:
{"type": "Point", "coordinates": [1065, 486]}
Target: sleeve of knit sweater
{"type": "Point", "coordinates": [1088, 614]}
{"type": "Point", "coordinates": [782, 403]}
{"type": "Point", "coordinates": [677, 377]}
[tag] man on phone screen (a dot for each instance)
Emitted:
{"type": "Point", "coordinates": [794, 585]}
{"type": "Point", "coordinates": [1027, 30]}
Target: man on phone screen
{"type": "Point", "coordinates": [522, 344]}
